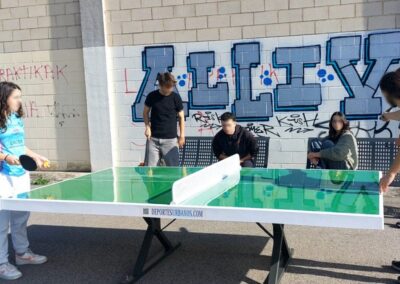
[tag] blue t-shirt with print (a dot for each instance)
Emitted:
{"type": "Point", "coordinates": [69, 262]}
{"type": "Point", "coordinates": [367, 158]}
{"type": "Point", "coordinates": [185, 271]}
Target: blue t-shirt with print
{"type": "Point", "coordinates": [12, 142]}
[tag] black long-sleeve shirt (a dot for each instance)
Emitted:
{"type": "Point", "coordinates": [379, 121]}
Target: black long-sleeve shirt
{"type": "Point", "coordinates": [242, 142]}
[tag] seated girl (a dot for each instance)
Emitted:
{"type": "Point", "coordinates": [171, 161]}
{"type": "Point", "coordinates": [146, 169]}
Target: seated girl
{"type": "Point", "coordinates": [337, 151]}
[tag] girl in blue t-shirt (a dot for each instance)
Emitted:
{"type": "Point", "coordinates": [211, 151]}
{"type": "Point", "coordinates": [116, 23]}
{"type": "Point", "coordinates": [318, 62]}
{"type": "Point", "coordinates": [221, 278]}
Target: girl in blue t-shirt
{"type": "Point", "coordinates": [14, 180]}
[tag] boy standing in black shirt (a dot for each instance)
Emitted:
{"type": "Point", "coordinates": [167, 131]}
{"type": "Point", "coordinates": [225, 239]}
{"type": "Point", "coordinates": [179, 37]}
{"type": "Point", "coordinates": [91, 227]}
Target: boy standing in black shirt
{"type": "Point", "coordinates": [234, 139]}
{"type": "Point", "coordinates": [161, 129]}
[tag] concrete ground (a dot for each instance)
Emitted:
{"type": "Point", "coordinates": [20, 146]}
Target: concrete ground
{"type": "Point", "coordinates": [98, 249]}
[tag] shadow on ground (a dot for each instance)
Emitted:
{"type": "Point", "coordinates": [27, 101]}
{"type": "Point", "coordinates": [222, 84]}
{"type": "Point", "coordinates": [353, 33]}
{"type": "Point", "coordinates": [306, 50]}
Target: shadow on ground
{"type": "Point", "coordinates": [97, 255]}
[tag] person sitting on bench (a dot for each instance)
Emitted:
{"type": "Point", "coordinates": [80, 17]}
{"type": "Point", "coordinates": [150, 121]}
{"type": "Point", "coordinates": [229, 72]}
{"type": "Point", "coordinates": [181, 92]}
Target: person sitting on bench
{"type": "Point", "coordinates": [234, 139]}
{"type": "Point", "coordinates": [337, 151]}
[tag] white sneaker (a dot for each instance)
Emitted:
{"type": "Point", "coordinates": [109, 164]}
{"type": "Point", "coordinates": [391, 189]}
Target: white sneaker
{"type": "Point", "coordinates": [29, 258]}
{"type": "Point", "coordinates": [9, 271]}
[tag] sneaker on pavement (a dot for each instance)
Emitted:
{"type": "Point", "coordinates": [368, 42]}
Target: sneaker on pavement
{"type": "Point", "coordinates": [29, 258]}
{"type": "Point", "coordinates": [9, 271]}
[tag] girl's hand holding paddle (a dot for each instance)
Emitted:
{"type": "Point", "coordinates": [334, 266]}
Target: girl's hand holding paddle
{"type": "Point", "coordinates": [33, 162]}
{"type": "Point", "coordinates": [40, 161]}
{"type": "Point", "coordinates": [12, 160]}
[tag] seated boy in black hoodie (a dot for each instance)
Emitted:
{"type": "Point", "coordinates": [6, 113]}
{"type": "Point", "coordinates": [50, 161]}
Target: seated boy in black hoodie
{"type": "Point", "coordinates": [234, 139]}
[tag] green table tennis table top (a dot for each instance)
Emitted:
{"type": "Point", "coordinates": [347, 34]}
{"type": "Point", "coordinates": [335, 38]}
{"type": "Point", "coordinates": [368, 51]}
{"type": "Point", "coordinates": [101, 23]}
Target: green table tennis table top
{"type": "Point", "coordinates": [354, 192]}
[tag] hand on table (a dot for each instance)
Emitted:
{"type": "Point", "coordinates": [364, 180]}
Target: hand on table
{"type": "Point", "coordinates": [385, 182]}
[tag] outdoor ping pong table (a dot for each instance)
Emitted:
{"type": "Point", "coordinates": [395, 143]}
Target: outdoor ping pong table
{"type": "Point", "coordinates": [326, 198]}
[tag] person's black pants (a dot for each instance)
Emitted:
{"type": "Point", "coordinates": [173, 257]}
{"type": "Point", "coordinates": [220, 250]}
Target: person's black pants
{"type": "Point", "coordinates": [316, 146]}
{"type": "Point", "coordinates": [248, 164]}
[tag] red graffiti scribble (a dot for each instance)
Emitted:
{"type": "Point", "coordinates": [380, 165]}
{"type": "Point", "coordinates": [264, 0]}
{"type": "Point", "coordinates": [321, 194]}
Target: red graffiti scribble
{"type": "Point", "coordinates": [139, 145]}
{"type": "Point", "coordinates": [262, 72]}
{"type": "Point", "coordinates": [60, 72]}
{"type": "Point", "coordinates": [209, 121]}
{"type": "Point", "coordinates": [61, 112]}
{"type": "Point", "coordinates": [273, 72]}
{"type": "Point", "coordinates": [48, 71]}
{"type": "Point", "coordinates": [126, 83]}
{"type": "Point", "coordinates": [41, 72]}
{"type": "Point", "coordinates": [202, 130]}
{"type": "Point", "coordinates": [38, 71]}
{"type": "Point", "coordinates": [31, 109]}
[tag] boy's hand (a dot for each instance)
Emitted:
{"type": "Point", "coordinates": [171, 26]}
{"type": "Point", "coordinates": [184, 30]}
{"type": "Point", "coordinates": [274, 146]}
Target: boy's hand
{"type": "Point", "coordinates": [181, 141]}
{"type": "Point", "coordinates": [311, 156]}
{"type": "Point", "coordinates": [314, 161]}
{"type": "Point", "coordinates": [147, 132]}
{"type": "Point", "coordinates": [223, 156]}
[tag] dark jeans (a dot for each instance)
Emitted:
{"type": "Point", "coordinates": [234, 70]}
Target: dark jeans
{"type": "Point", "coordinates": [248, 164]}
{"type": "Point", "coordinates": [318, 145]}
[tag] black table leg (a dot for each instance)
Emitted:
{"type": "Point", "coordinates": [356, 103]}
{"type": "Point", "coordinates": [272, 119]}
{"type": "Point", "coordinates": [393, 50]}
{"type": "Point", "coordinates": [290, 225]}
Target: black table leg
{"type": "Point", "coordinates": [281, 255]}
{"type": "Point", "coordinates": [153, 230]}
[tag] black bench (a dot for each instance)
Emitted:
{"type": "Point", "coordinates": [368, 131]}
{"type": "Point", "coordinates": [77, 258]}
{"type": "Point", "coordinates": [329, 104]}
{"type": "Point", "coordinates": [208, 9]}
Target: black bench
{"type": "Point", "coordinates": [197, 152]}
{"type": "Point", "coordinates": [376, 154]}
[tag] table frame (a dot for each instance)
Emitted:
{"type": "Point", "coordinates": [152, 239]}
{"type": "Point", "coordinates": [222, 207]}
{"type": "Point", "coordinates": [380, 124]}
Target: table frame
{"type": "Point", "coordinates": [152, 213]}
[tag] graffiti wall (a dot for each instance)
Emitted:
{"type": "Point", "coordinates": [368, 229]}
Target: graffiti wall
{"type": "Point", "coordinates": [285, 88]}
{"type": "Point", "coordinates": [54, 104]}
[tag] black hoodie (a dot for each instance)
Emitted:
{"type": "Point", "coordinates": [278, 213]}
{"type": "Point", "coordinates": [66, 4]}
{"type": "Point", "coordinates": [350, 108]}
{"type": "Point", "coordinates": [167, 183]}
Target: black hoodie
{"type": "Point", "coordinates": [242, 142]}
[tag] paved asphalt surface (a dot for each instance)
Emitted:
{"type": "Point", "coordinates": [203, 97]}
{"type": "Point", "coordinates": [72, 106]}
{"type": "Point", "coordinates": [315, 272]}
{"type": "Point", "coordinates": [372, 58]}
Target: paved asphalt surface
{"type": "Point", "coordinates": [98, 249]}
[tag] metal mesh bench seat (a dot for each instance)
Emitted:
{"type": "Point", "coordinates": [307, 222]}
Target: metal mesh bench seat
{"type": "Point", "coordinates": [197, 152]}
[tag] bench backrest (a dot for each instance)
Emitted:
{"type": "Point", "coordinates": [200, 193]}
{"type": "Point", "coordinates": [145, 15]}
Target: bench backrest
{"type": "Point", "coordinates": [198, 152]}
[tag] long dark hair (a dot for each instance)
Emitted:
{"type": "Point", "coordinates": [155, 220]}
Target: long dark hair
{"type": "Point", "coordinates": [333, 134]}
{"type": "Point", "coordinates": [390, 84]}
{"type": "Point", "coordinates": [6, 89]}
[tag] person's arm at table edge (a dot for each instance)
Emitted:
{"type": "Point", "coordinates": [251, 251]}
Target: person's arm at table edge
{"type": "Point", "coordinates": [392, 115]}
{"type": "Point", "coordinates": [391, 174]}
{"type": "Point", "coordinates": [395, 168]}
